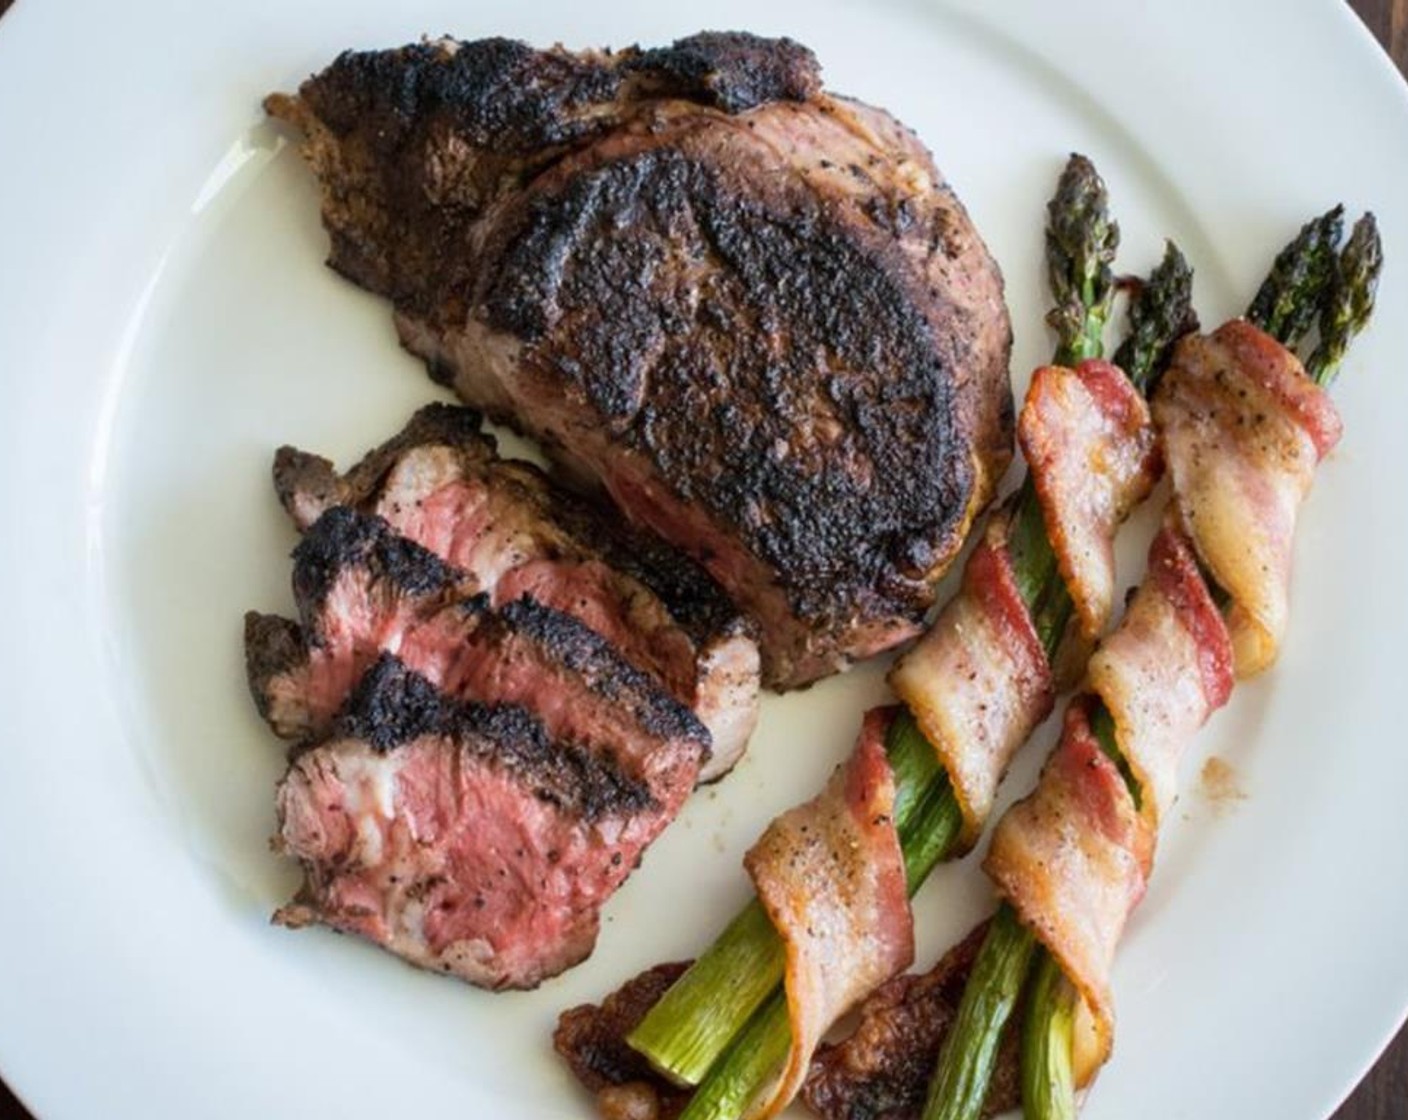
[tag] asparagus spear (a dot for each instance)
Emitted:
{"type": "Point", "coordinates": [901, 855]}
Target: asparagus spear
{"type": "Point", "coordinates": [1351, 299]}
{"type": "Point", "coordinates": [1300, 287]}
{"type": "Point", "coordinates": [1289, 299]}
{"type": "Point", "coordinates": [1081, 240]}
{"type": "Point", "coordinates": [960, 1085]}
{"type": "Point", "coordinates": [1160, 314]}
{"type": "Point", "coordinates": [687, 1031]}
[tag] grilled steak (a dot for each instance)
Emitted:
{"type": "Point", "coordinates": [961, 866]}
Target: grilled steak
{"type": "Point", "coordinates": [481, 838]}
{"type": "Point", "coordinates": [433, 517]}
{"type": "Point", "coordinates": [749, 310]}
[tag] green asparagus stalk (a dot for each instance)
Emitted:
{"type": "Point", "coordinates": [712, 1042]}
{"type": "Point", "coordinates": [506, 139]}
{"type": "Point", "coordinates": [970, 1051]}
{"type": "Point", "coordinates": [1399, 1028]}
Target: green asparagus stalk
{"type": "Point", "coordinates": [1159, 315]}
{"type": "Point", "coordinates": [960, 1086]}
{"type": "Point", "coordinates": [1308, 281]}
{"type": "Point", "coordinates": [1048, 1083]}
{"type": "Point", "coordinates": [687, 1031]}
{"type": "Point", "coordinates": [750, 1061]}
{"type": "Point", "coordinates": [691, 1026]}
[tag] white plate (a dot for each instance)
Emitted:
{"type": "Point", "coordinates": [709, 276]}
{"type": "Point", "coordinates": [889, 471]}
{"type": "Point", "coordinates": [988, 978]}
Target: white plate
{"type": "Point", "coordinates": [165, 322]}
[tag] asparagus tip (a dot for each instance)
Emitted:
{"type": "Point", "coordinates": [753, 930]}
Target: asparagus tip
{"type": "Point", "coordinates": [1349, 301]}
{"type": "Point", "coordinates": [1081, 240]}
{"type": "Point", "coordinates": [1160, 313]}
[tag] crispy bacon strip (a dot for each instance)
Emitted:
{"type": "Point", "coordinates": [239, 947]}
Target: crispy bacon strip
{"type": "Point", "coordinates": [979, 681]}
{"type": "Point", "coordinates": [830, 875]}
{"type": "Point", "coordinates": [1164, 671]}
{"type": "Point", "coordinates": [1092, 453]}
{"type": "Point", "coordinates": [1074, 857]}
{"type": "Point", "coordinates": [1243, 429]}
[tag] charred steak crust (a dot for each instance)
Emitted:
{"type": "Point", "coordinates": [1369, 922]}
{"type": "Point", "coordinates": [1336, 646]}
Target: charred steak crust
{"type": "Point", "coordinates": [273, 645]}
{"type": "Point", "coordinates": [499, 93]}
{"type": "Point", "coordinates": [752, 311]}
{"type": "Point", "coordinates": [306, 481]}
{"type": "Point", "coordinates": [689, 593]}
{"type": "Point", "coordinates": [708, 393]}
{"type": "Point", "coordinates": [729, 70]}
{"type": "Point", "coordinates": [585, 652]}
{"type": "Point", "coordinates": [498, 526]}
{"type": "Point", "coordinates": [344, 544]}
{"type": "Point", "coordinates": [392, 705]}
{"type": "Point", "coordinates": [506, 96]}
{"type": "Point", "coordinates": [343, 537]}
{"type": "Point", "coordinates": [503, 97]}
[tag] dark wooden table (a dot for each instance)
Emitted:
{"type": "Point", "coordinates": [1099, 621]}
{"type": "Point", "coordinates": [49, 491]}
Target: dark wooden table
{"type": "Point", "coordinates": [1383, 1095]}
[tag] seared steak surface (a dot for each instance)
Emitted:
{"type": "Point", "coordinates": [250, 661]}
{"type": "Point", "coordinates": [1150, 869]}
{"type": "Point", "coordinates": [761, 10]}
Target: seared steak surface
{"type": "Point", "coordinates": [434, 517]}
{"type": "Point", "coordinates": [751, 311]}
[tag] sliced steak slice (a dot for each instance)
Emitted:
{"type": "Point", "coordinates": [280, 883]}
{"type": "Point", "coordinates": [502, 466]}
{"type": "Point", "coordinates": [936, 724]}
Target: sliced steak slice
{"type": "Point", "coordinates": [479, 840]}
{"type": "Point", "coordinates": [753, 313]}
{"type": "Point", "coordinates": [509, 532]}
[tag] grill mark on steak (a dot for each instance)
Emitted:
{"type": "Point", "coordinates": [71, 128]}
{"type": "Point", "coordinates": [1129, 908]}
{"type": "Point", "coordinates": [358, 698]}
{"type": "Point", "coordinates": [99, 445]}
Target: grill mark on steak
{"type": "Point", "coordinates": [343, 538]}
{"type": "Point", "coordinates": [393, 705]}
{"type": "Point", "coordinates": [522, 653]}
{"type": "Point", "coordinates": [585, 652]}
{"type": "Point", "coordinates": [751, 312]}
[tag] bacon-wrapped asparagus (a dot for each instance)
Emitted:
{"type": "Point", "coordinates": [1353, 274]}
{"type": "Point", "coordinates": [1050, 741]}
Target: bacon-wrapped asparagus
{"type": "Point", "coordinates": [829, 915]}
{"type": "Point", "coordinates": [1243, 426]}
